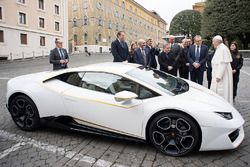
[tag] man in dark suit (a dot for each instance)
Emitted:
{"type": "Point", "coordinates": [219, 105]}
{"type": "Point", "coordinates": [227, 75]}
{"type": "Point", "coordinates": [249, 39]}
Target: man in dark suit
{"type": "Point", "coordinates": [183, 63]}
{"type": "Point", "coordinates": [209, 67]}
{"type": "Point", "coordinates": [119, 48]}
{"type": "Point", "coordinates": [151, 52]}
{"type": "Point", "coordinates": [140, 53]}
{"type": "Point", "coordinates": [59, 56]}
{"type": "Point", "coordinates": [175, 52]}
{"type": "Point", "coordinates": [197, 56]}
{"type": "Point", "coordinates": [166, 60]}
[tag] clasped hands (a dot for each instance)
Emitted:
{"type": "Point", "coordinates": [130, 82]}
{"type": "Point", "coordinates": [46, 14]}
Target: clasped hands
{"type": "Point", "coordinates": [196, 65]}
{"type": "Point", "coordinates": [64, 61]}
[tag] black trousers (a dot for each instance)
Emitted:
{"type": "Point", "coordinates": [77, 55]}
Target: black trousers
{"type": "Point", "coordinates": [209, 77]}
{"type": "Point", "coordinates": [197, 76]}
{"type": "Point", "coordinates": [173, 72]}
{"type": "Point", "coordinates": [236, 78]}
{"type": "Point", "coordinates": [183, 72]}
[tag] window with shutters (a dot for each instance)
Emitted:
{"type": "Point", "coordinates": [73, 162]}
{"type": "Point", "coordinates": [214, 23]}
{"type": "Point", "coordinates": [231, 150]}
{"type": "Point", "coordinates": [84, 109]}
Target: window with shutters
{"type": "Point", "coordinates": [23, 38]}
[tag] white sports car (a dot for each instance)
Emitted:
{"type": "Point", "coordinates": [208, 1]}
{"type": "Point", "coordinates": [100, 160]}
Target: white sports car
{"type": "Point", "coordinates": [127, 101]}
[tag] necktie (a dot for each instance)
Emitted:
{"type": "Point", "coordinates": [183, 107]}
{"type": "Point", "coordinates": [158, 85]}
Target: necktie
{"type": "Point", "coordinates": [144, 56]}
{"type": "Point", "coordinates": [61, 53]}
{"type": "Point", "coordinates": [122, 43]}
{"type": "Point", "coordinates": [197, 54]}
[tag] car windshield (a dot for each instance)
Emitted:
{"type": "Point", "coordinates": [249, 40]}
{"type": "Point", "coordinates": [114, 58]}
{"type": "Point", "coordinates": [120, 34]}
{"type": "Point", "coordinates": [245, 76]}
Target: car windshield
{"type": "Point", "coordinates": [160, 80]}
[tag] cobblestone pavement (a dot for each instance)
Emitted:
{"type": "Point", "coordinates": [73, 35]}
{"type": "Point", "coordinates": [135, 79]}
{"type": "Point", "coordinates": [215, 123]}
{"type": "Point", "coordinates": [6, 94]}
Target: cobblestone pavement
{"type": "Point", "coordinates": [53, 147]}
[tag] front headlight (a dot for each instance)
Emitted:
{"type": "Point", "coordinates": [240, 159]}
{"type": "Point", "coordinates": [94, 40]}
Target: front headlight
{"type": "Point", "coordinates": [226, 115]}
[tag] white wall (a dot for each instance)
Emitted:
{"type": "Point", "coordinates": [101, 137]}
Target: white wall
{"type": "Point", "coordinates": [93, 48]}
{"type": "Point", "coordinates": [12, 44]}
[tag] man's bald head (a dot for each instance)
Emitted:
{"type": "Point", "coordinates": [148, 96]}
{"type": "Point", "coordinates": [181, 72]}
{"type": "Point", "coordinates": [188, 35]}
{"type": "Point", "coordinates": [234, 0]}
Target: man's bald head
{"type": "Point", "coordinates": [171, 39]}
{"type": "Point", "coordinates": [141, 43]}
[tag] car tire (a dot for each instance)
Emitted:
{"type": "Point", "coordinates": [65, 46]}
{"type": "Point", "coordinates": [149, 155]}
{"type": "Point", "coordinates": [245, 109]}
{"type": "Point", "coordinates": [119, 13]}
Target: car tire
{"type": "Point", "coordinates": [24, 113]}
{"type": "Point", "coordinates": [174, 133]}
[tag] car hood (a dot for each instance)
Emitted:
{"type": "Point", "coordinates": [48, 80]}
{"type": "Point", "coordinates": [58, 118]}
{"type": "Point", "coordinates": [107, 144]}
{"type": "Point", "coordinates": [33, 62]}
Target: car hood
{"type": "Point", "coordinates": [198, 93]}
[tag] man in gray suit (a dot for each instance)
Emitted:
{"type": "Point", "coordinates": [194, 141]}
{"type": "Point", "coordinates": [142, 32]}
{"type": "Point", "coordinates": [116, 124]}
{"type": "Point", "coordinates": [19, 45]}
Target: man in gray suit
{"type": "Point", "coordinates": [59, 56]}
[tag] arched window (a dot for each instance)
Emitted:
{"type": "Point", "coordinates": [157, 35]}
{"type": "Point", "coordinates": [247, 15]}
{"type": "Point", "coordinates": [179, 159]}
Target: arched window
{"type": "Point", "coordinates": [85, 20]}
{"type": "Point", "coordinates": [99, 5]}
{"type": "Point", "coordinates": [117, 27]}
{"type": "Point", "coordinates": [74, 22]}
{"type": "Point", "coordinates": [100, 37]}
{"type": "Point", "coordinates": [85, 36]}
{"type": "Point", "coordinates": [75, 38]}
{"type": "Point", "coordinates": [110, 24]}
{"type": "Point", "coordinates": [100, 21]}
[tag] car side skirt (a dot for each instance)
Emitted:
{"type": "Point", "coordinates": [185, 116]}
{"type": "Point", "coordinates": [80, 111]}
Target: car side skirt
{"type": "Point", "coordinates": [68, 123]}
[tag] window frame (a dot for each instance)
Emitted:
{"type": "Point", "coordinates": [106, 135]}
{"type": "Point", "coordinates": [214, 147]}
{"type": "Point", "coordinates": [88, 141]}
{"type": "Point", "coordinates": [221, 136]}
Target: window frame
{"type": "Point", "coordinates": [42, 41]}
{"type": "Point", "coordinates": [44, 26]}
{"type": "Point", "coordinates": [55, 11]}
{"type": "Point", "coordinates": [26, 41]}
{"type": "Point", "coordinates": [22, 3]}
{"type": "Point", "coordinates": [55, 23]}
{"type": "Point", "coordinates": [154, 93]}
{"type": "Point", "coordinates": [2, 36]}
{"type": "Point", "coordinates": [25, 18]}
{"type": "Point", "coordinates": [38, 6]}
{"type": "Point", "coordinates": [2, 14]}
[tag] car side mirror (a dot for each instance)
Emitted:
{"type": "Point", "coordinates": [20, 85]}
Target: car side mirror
{"type": "Point", "coordinates": [125, 96]}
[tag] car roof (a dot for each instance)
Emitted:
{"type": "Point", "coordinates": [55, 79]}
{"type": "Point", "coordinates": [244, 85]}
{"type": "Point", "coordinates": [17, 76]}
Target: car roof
{"type": "Point", "coordinates": [112, 67]}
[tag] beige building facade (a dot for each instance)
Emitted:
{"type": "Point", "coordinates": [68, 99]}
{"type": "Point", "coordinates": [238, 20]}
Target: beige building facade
{"type": "Point", "coordinates": [199, 6]}
{"type": "Point", "coordinates": [93, 24]}
{"type": "Point", "coordinates": [28, 28]}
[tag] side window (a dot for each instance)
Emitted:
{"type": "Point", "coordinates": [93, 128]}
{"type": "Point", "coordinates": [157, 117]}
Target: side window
{"type": "Point", "coordinates": [126, 84]}
{"type": "Point", "coordinates": [73, 78]}
{"type": "Point", "coordinates": [145, 93]}
{"type": "Point", "coordinates": [112, 84]}
{"type": "Point", "coordinates": [101, 82]}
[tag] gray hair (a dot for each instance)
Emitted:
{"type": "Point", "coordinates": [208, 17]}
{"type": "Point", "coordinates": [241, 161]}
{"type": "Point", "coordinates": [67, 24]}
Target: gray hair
{"type": "Point", "coordinates": [165, 45]}
{"type": "Point", "coordinates": [141, 41]}
{"type": "Point", "coordinates": [197, 36]}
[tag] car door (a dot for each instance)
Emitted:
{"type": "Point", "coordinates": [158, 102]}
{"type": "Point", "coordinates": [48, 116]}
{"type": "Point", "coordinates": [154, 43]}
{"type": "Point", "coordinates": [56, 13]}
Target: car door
{"type": "Point", "coordinates": [92, 103]}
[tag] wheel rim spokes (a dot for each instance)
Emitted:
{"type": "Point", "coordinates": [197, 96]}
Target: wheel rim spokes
{"type": "Point", "coordinates": [29, 110]}
{"type": "Point", "coordinates": [21, 120]}
{"type": "Point", "coordinates": [23, 113]}
{"type": "Point", "coordinates": [187, 142]}
{"type": "Point", "coordinates": [182, 125]}
{"type": "Point", "coordinates": [20, 103]}
{"type": "Point", "coordinates": [158, 137]}
{"type": "Point", "coordinates": [173, 135]}
{"type": "Point", "coordinates": [15, 111]}
{"type": "Point", "coordinates": [172, 147]}
{"type": "Point", "coordinates": [164, 123]}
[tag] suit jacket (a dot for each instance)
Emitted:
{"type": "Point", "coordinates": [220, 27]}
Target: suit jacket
{"type": "Point", "coordinates": [165, 60]}
{"type": "Point", "coordinates": [209, 59]}
{"type": "Point", "coordinates": [183, 59]}
{"type": "Point", "coordinates": [139, 57]}
{"type": "Point", "coordinates": [151, 52]}
{"type": "Point", "coordinates": [202, 59]}
{"type": "Point", "coordinates": [119, 53]}
{"type": "Point", "coordinates": [237, 63]}
{"type": "Point", "coordinates": [175, 52]}
{"type": "Point", "coordinates": [54, 58]}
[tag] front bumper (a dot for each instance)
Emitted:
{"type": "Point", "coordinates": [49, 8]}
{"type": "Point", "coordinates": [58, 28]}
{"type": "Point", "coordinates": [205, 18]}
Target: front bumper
{"type": "Point", "coordinates": [214, 138]}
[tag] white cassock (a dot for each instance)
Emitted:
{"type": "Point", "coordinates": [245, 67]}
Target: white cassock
{"type": "Point", "coordinates": [221, 68]}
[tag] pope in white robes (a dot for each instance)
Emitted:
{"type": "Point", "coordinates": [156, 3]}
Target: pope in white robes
{"type": "Point", "coordinates": [222, 75]}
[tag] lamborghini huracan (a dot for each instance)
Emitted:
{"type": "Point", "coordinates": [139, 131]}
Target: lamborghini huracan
{"type": "Point", "coordinates": [127, 101]}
